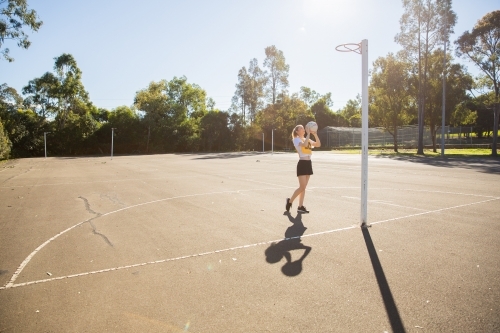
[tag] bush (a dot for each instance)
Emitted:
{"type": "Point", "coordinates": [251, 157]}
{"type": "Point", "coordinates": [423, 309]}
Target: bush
{"type": "Point", "coordinates": [5, 144]}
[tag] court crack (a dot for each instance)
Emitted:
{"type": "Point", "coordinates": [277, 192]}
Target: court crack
{"type": "Point", "coordinates": [94, 228]}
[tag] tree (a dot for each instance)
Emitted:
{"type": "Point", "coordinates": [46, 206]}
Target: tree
{"type": "Point", "coordinates": [21, 127]}
{"type": "Point", "coordinates": [43, 95]}
{"type": "Point", "coordinates": [352, 110]}
{"type": "Point", "coordinates": [215, 134]}
{"type": "Point", "coordinates": [5, 143]}
{"type": "Point", "coordinates": [310, 96]}
{"type": "Point", "coordinates": [323, 115]}
{"type": "Point", "coordinates": [128, 131]}
{"type": "Point", "coordinates": [241, 96]}
{"type": "Point", "coordinates": [256, 82]}
{"type": "Point", "coordinates": [277, 72]}
{"type": "Point", "coordinates": [14, 15]}
{"type": "Point", "coordinates": [458, 82]}
{"type": "Point", "coordinates": [282, 117]}
{"type": "Point", "coordinates": [424, 24]}
{"type": "Point", "coordinates": [482, 47]}
{"type": "Point", "coordinates": [173, 111]}
{"type": "Point", "coordinates": [70, 90]}
{"type": "Point", "coordinates": [390, 102]}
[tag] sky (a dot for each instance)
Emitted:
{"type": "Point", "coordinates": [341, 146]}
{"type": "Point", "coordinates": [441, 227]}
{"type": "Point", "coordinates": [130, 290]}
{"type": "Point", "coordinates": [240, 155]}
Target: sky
{"type": "Point", "coordinates": [121, 46]}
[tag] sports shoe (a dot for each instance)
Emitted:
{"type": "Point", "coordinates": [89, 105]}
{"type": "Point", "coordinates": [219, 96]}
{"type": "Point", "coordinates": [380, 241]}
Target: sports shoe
{"type": "Point", "coordinates": [302, 209]}
{"type": "Point", "coordinates": [288, 204]}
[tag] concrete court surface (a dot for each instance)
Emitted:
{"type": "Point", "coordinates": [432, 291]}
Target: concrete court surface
{"type": "Point", "coordinates": [200, 243]}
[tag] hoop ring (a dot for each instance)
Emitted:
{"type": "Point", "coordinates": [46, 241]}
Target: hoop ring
{"type": "Point", "coordinates": [349, 47]}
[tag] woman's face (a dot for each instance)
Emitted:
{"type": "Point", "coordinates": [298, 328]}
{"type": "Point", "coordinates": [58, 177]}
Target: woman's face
{"type": "Point", "coordinates": [300, 131]}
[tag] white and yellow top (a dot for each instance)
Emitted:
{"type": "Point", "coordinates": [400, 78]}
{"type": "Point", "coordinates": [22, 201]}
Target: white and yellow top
{"type": "Point", "coordinates": [304, 152]}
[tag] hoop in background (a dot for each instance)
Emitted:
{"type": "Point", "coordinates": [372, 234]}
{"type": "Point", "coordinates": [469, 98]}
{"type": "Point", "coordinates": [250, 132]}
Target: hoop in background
{"type": "Point", "coordinates": [349, 47]}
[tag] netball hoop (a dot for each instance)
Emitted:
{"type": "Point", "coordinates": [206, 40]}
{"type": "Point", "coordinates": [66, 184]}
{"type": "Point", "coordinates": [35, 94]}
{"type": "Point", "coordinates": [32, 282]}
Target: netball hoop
{"type": "Point", "coordinates": [362, 48]}
{"type": "Point", "coordinates": [349, 47]}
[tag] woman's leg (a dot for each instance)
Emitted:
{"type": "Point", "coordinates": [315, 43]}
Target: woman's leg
{"type": "Point", "coordinates": [301, 190]}
{"type": "Point", "coordinates": [303, 193]}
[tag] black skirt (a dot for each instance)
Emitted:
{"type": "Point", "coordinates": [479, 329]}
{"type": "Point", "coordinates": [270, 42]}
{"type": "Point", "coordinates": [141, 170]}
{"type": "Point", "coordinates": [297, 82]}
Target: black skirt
{"type": "Point", "coordinates": [304, 168]}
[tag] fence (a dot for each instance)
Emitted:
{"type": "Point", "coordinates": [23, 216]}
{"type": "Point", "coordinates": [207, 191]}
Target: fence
{"type": "Point", "coordinates": [344, 137]}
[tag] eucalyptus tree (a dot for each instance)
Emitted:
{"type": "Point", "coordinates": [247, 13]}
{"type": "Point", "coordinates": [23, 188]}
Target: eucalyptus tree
{"type": "Point", "coordinates": [14, 17]}
{"type": "Point", "coordinates": [458, 83]}
{"type": "Point", "coordinates": [282, 117]}
{"type": "Point", "coordinates": [482, 47]}
{"type": "Point", "coordinates": [256, 83]}
{"type": "Point", "coordinates": [173, 111]}
{"type": "Point", "coordinates": [42, 95]}
{"type": "Point", "coordinates": [277, 73]}
{"type": "Point", "coordinates": [241, 96]}
{"type": "Point", "coordinates": [425, 24]}
{"type": "Point", "coordinates": [352, 111]}
{"type": "Point", "coordinates": [390, 98]}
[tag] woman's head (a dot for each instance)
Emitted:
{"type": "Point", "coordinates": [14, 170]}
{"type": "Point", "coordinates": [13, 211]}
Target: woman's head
{"type": "Point", "coordinates": [297, 131]}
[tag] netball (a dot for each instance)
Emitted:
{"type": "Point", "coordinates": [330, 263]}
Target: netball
{"type": "Point", "coordinates": [312, 126]}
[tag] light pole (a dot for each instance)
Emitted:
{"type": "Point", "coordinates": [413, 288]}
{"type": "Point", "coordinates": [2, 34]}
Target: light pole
{"type": "Point", "coordinates": [272, 141]}
{"type": "Point", "coordinates": [45, 142]}
{"type": "Point", "coordinates": [112, 140]}
{"type": "Point", "coordinates": [262, 141]}
{"type": "Point", "coordinates": [444, 88]}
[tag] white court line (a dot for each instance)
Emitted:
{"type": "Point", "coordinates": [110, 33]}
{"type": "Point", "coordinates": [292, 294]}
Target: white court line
{"type": "Point", "coordinates": [11, 284]}
{"type": "Point", "coordinates": [228, 249]}
{"type": "Point", "coordinates": [381, 202]}
{"type": "Point", "coordinates": [132, 179]}
{"type": "Point", "coordinates": [437, 210]}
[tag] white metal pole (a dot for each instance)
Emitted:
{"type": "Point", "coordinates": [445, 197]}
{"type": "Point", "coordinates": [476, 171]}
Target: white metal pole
{"type": "Point", "coordinates": [364, 122]}
{"type": "Point", "coordinates": [45, 142]}
{"type": "Point", "coordinates": [262, 142]}
{"type": "Point", "coordinates": [112, 139]}
{"type": "Point", "coordinates": [444, 98]}
{"type": "Point", "coordinates": [272, 141]}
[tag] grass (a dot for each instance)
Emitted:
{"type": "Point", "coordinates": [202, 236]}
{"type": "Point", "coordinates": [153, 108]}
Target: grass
{"type": "Point", "coordinates": [465, 152]}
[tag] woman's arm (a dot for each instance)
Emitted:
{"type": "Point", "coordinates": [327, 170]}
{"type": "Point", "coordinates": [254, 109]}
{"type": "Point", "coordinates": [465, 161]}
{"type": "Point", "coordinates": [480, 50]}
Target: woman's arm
{"type": "Point", "coordinates": [306, 140]}
{"type": "Point", "coordinates": [316, 143]}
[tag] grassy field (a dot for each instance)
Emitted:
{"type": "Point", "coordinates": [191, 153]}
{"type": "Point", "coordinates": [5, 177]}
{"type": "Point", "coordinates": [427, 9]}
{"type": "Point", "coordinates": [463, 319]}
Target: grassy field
{"type": "Point", "coordinates": [466, 152]}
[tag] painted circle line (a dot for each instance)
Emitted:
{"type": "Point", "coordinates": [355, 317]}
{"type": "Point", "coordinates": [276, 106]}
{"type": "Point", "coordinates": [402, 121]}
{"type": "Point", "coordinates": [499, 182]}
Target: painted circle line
{"type": "Point", "coordinates": [11, 283]}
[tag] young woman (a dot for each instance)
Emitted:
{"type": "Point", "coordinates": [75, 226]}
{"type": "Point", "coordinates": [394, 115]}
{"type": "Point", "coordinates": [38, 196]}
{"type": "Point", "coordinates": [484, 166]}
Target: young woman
{"type": "Point", "coordinates": [303, 145]}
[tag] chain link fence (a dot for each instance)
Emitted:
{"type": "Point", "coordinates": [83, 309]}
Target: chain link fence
{"type": "Point", "coordinates": [346, 137]}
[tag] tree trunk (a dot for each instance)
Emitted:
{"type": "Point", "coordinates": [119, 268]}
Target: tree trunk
{"type": "Point", "coordinates": [395, 139]}
{"type": "Point", "coordinates": [496, 114]}
{"type": "Point", "coordinates": [433, 136]}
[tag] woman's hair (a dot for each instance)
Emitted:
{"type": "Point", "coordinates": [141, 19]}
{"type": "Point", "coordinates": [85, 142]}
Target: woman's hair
{"type": "Point", "coordinates": [294, 132]}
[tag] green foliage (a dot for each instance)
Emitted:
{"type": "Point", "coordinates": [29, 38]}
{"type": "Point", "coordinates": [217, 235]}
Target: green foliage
{"type": "Point", "coordinates": [14, 15]}
{"type": "Point", "coordinates": [283, 117]}
{"type": "Point", "coordinates": [352, 107]}
{"type": "Point", "coordinates": [463, 116]}
{"type": "Point", "coordinates": [458, 82]}
{"type": "Point", "coordinates": [170, 107]}
{"type": "Point", "coordinates": [390, 100]}
{"type": "Point", "coordinates": [324, 116]}
{"type": "Point", "coordinates": [43, 95]}
{"type": "Point", "coordinates": [277, 73]}
{"type": "Point", "coordinates": [482, 47]}
{"type": "Point", "coordinates": [5, 144]}
{"type": "Point", "coordinates": [215, 133]}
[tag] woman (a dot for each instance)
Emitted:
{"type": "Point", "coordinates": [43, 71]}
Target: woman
{"type": "Point", "coordinates": [303, 145]}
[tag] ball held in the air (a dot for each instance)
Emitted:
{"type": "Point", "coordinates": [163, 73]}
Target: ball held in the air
{"type": "Point", "coordinates": [312, 126]}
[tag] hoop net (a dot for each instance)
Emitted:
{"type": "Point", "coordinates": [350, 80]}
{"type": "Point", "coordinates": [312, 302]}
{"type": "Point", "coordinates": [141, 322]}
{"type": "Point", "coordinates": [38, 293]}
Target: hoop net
{"type": "Point", "coordinates": [349, 47]}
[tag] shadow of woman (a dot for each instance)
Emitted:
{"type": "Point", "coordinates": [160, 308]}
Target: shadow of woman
{"type": "Point", "coordinates": [276, 251]}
